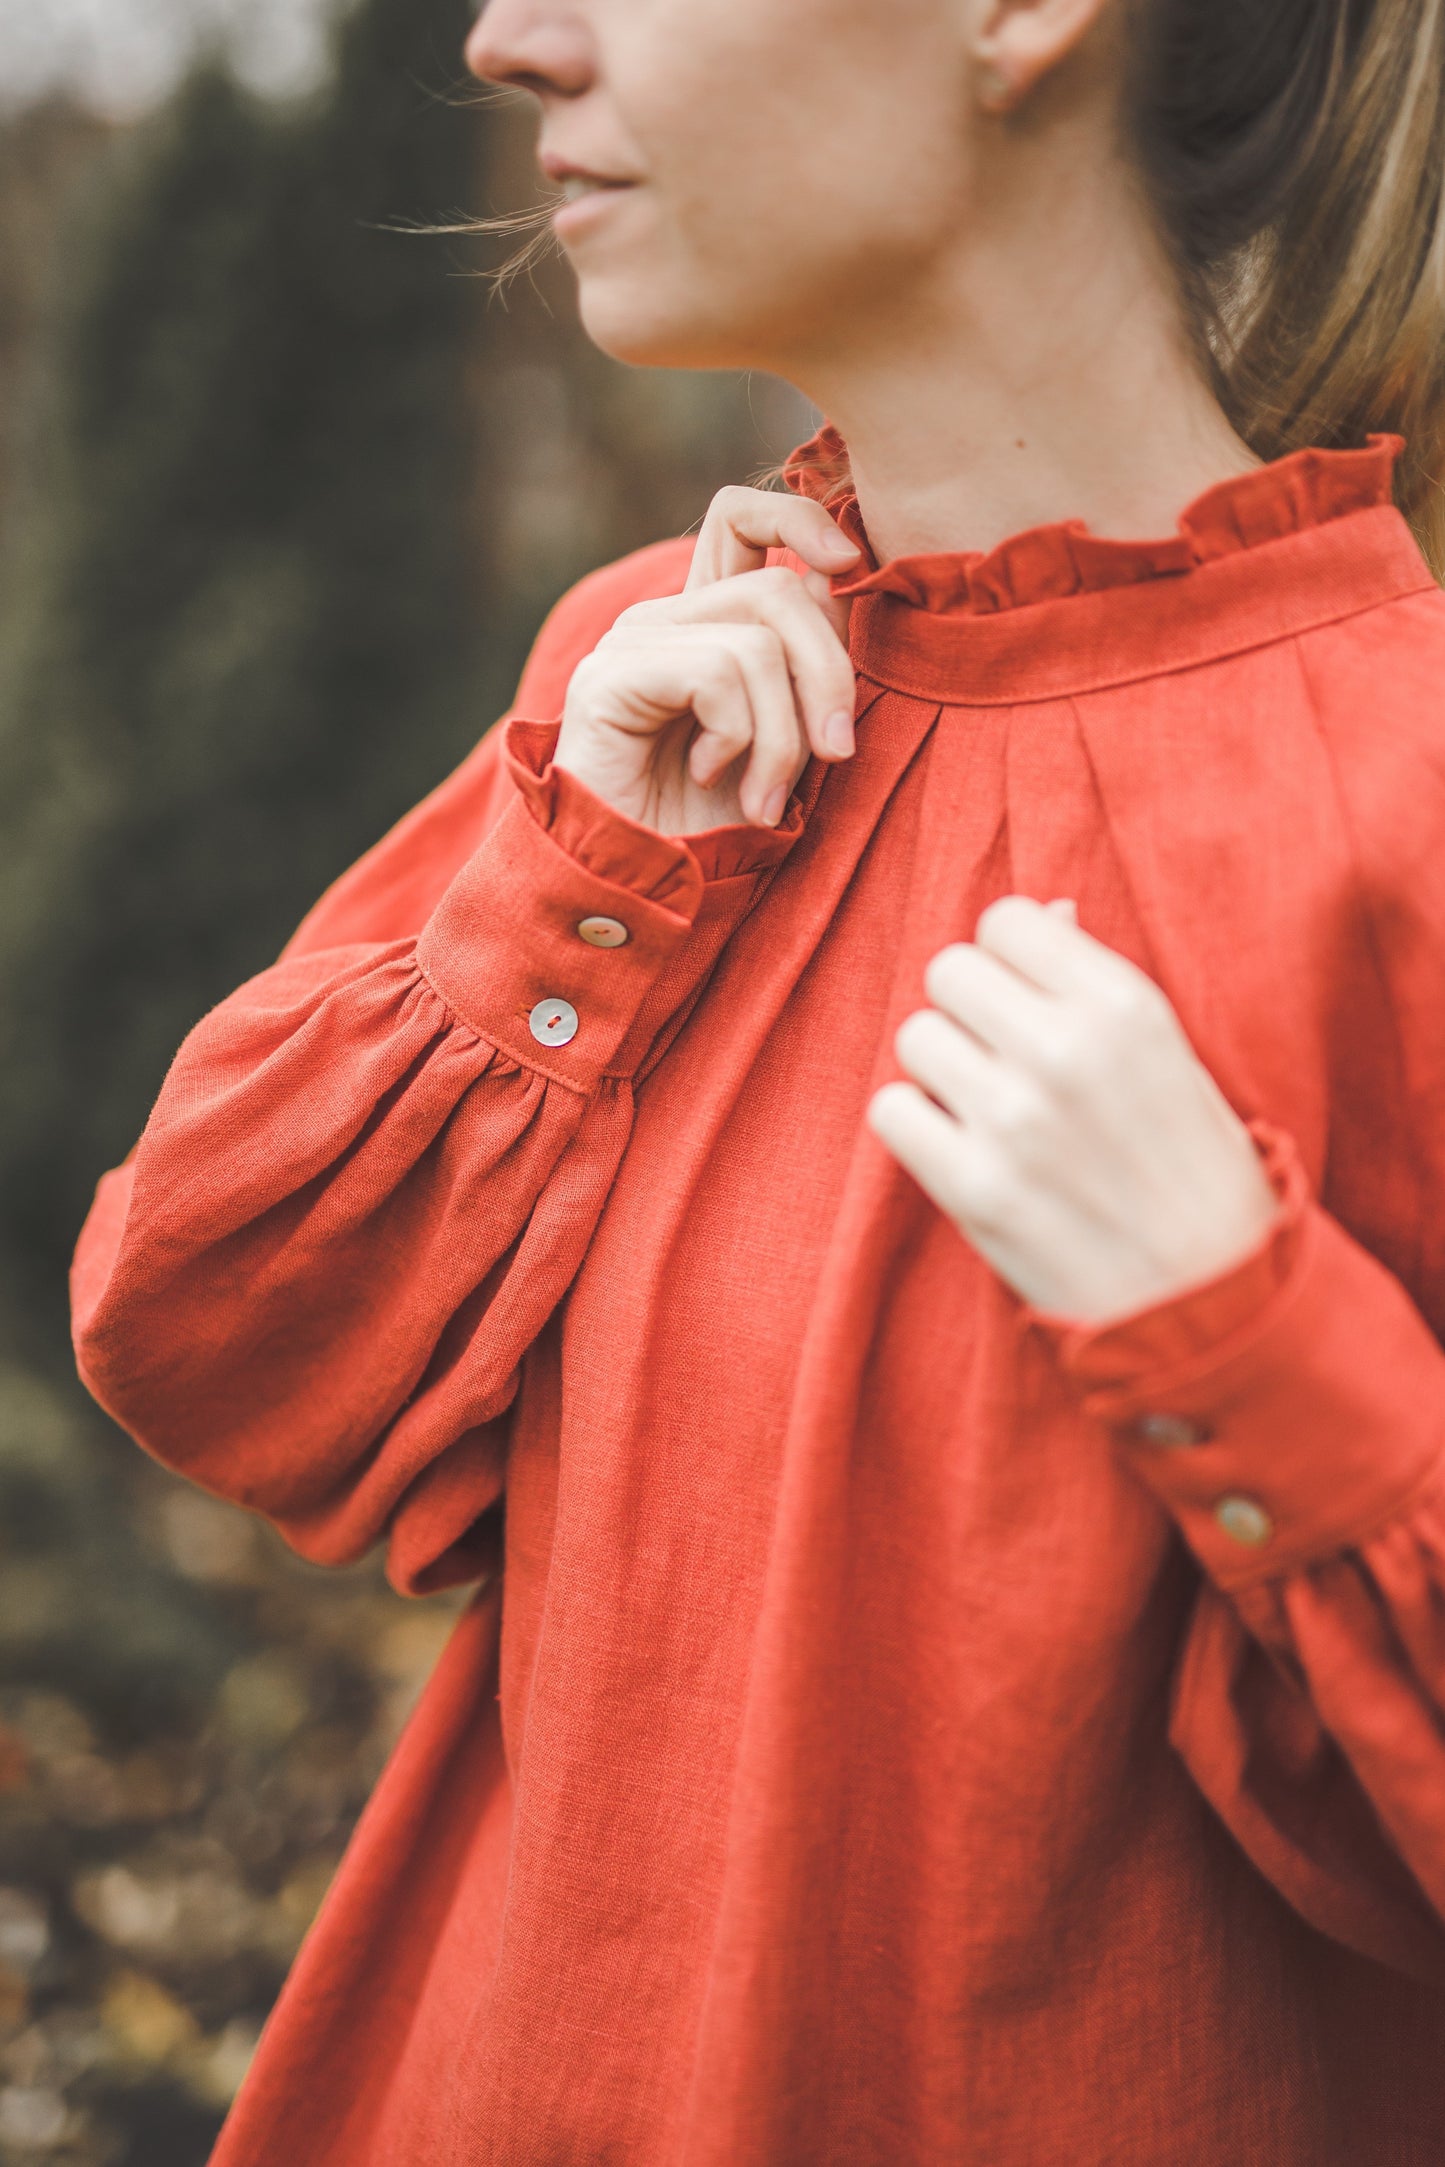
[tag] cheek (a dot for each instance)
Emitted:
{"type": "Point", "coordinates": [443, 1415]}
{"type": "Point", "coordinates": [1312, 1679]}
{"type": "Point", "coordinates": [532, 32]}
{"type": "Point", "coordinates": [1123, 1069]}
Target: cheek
{"type": "Point", "coordinates": [792, 180]}
{"type": "Point", "coordinates": [745, 288]}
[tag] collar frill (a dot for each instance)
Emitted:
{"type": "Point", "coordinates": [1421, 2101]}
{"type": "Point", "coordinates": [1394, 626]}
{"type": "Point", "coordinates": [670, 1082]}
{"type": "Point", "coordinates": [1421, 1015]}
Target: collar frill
{"type": "Point", "coordinates": [1042, 564]}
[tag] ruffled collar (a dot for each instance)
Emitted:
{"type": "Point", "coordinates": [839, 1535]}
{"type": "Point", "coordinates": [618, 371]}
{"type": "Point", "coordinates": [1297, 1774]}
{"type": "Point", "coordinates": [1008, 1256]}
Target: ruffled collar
{"type": "Point", "coordinates": [1047, 563]}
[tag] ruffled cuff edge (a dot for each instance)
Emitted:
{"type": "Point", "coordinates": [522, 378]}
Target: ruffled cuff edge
{"type": "Point", "coordinates": [668, 869]}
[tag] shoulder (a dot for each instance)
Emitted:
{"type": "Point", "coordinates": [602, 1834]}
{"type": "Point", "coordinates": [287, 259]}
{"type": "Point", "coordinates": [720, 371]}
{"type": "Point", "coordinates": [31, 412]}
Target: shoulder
{"type": "Point", "coordinates": [1377, 687]}
{"type": "Point", "coordinates": [391, 892]}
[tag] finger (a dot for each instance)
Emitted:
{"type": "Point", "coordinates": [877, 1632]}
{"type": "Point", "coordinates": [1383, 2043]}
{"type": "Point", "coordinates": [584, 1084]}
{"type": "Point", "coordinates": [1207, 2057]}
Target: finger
{"type": "Point", "coordinates": [733, 680]}
{"type": "Point", "coordinates": [1039, 942]}
{"type": "Point", "coordinates": [822, 674]}
{"type": "Point", "coordinates": [1065, 907]}
{"type": "Point", "coordinates": [950, 1165]}
{"type": "Point", "coordinates": [779, 752]}
{"type": "Point", "coordinates": [713, 685]}
{"type": "Point", "coordinates": [837, 608]}
{"type": "Point", "coordinates": [949, 1064]}
{"type": "Point", "coordinates": [742, 525]}
{"type": "Point", "coordinates": [1004, 1010]}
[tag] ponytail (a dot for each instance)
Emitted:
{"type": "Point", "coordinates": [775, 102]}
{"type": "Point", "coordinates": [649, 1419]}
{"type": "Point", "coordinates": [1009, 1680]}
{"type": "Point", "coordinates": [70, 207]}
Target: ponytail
{"type": "Point", "coordinates": [1295, 150]}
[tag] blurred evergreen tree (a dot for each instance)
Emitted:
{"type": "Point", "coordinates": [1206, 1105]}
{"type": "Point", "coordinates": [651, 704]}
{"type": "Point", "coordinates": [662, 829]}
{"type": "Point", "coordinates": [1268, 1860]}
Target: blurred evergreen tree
{"type": "Point", "coordinates": [240, 627]}
{"type": "Point", "coordinates": [292, 505]}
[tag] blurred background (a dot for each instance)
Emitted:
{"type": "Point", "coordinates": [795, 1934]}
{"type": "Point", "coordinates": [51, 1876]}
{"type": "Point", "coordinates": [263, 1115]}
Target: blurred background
{"type": "Point", "coordinates": [284, 494]}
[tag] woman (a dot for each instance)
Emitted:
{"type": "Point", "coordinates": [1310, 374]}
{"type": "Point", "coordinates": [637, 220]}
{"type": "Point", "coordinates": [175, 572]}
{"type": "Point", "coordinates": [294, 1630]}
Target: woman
{"type": "Point", "coordinates": [933, 1228]}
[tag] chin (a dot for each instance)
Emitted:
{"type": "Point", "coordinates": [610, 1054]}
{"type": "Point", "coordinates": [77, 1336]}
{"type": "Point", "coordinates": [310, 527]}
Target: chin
{"type": "Point", "coordinates": [650, 330]}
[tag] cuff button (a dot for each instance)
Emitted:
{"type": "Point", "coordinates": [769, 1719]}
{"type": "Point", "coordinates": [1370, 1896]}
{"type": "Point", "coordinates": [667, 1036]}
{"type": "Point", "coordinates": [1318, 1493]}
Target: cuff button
{"type": "Point", "coordinates": [603, 932]}
{"type": "Point", "coordinates": [1167, 1431]}
{"type": "Point", "coordinates": [1244, 1521]}
{"type": "Point", "coordinates": [553, 1022]}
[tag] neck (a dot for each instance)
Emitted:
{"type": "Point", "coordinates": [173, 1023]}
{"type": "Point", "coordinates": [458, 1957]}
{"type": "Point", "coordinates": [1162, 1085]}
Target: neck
{"type": "Point", "coordinates": [1043, 374]}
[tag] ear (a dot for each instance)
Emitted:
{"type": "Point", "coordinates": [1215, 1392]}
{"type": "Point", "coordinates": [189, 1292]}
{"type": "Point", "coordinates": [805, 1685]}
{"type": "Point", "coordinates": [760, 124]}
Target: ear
{"type": "Point", "coordinates": [1016, 43]}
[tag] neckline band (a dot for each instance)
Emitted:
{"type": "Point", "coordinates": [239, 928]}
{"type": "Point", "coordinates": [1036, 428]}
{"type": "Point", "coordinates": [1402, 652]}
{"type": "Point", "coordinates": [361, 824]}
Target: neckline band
{"type": "Point", "coordinates": [1055, 610]}
{"type": "Point", "coordinates": [1088, 642]}
{"type": "Point", "coordinates": [1304, 490]}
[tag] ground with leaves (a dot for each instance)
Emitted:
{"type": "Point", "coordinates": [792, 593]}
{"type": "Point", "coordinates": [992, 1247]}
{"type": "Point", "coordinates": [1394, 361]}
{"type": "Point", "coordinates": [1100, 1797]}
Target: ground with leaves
{"type": "Point", "coordinates": [170, 1816]}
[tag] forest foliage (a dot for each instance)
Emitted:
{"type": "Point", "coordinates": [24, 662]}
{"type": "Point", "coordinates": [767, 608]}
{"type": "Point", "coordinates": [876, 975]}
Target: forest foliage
{"type": "Point", "coordinates": [289, 496]}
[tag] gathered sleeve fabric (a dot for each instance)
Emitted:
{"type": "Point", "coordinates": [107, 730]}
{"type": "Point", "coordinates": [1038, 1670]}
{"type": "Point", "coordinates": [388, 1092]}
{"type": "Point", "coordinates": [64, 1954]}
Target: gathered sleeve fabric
{"type": "Point", "coordinates": [1290, 1416]}
{"type": "Point", "coordinates": [367, 1185]}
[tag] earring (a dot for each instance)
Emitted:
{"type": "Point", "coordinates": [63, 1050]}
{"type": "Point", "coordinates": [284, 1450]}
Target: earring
{"type": "Point", "coordinates": [995, 91]}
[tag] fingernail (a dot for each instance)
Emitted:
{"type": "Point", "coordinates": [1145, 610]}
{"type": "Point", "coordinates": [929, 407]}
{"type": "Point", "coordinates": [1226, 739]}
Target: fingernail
{"type": "Point", "coordinates": [838, 732]}
{"type": "Point", "coordinates": [773, 805]}
{"type": "Point", "coordinates": [838, 545]}
{"type": "Point", "coordinates": [1066, 907]}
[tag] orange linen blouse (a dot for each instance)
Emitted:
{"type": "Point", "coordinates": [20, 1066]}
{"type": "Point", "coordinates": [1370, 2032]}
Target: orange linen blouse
{"type": "Point", "coordinates": [897, 1728]}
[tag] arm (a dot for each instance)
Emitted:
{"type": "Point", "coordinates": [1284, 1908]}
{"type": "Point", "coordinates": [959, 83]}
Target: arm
{"type": "Point", "coordinates": [366, 1184]}
{"type": "Point", "coordinates": [1290, 1416]}
{"type": "Point", "coordinates": [372, 1174]}
{"type": "Point", "coordinates": [1281, 1391]}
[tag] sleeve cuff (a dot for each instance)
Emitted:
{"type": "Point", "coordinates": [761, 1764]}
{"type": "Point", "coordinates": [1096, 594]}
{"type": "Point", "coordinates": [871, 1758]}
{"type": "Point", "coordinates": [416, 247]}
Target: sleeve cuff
{"type": "Point", "coordinates": [1282, 1411]}
{"type": "Point", "coordinates": [506, 947]}
{"type": "Point", "coordinates": [592, 831]}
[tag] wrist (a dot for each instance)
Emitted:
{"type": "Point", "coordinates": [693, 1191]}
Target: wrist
{"type": "Point", "coordinates": [1245, 1222]}
{"type": "Point", "coordinates": [605, 768]}
{"type": "Point", "coordinates": [1194, 1320]}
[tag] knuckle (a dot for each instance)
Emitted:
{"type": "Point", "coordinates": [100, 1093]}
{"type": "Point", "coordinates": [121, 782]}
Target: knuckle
{"type": "Point", "coordinates": [1076, 1056]}
{"type": "Point", "coordinates": [982, 1193]}
{"type": "Point", "coordinates": [1020, 1116]}
{"type": "Point", "coordinates": [1065, 1049]}
{"type": "Point", "coordinates": [1133, 1003]}
{"type": "Point", "coordinates": [588, 678]}
{"type": "Point", "coordinates": [778, 583]}
{"type": "Point", "coordinates": [762, 645]}
{"type": "Point", "coordinates": [1023, 1124]}
{"type": "Point", "coordinates": [731, 726]}
{"type": "Point", "coordinates": [717, 668]}
{"type": "Point", "coordinates": [639, 612]}
{"type": "Point", "coordinates": [733, 500]}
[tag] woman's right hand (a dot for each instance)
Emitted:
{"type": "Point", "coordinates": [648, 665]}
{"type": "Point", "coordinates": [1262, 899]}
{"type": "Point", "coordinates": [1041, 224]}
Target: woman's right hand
{"type": "Point", "coordinates": [701, 709]}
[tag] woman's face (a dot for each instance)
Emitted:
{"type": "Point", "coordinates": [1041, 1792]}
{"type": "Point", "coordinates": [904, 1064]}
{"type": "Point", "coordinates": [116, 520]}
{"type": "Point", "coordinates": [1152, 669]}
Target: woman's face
{"type": "Point", "coordinates": [795, 170]}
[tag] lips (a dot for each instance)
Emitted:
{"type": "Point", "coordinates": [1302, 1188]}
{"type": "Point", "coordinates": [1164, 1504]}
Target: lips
{"type": "Point", "coordinates": [577, 185]}
{"type": "Point", "coordinates": [577, 180]}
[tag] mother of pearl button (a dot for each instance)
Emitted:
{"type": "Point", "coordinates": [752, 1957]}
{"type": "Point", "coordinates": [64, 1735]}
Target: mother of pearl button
{"type": "Point", "coordinates": [553, 1022]}
{"type": "Point", "coordinates": [603, 932]}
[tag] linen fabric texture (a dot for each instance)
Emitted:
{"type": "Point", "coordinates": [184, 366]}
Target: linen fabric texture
{"type": "Point", "coordinates": [866, 1748]}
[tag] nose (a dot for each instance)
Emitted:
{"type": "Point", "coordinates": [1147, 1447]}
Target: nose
{"type": "Point", "coordinates": [537, 45]}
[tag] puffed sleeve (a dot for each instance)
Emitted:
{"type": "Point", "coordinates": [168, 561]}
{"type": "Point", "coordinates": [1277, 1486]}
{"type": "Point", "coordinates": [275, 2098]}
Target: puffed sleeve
{"type": "Point", "coordinates": [1290, 1416]}
{"type": "Point", "coordinates": [372, 1173]}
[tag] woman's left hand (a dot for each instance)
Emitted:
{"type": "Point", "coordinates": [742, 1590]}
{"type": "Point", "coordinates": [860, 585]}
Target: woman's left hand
{"type": "Point", "coordinates": [1066, 1125]}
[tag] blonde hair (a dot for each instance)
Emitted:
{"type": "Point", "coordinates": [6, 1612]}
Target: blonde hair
{"type": "Point", "coordinates": [1295, 151]}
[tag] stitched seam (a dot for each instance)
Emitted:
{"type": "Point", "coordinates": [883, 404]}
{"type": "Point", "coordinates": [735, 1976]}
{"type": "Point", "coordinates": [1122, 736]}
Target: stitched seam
{"type": "Point", "coordinates": [537, 1068]}
{"type": "Point", "coordinates": [1357, 1535]}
